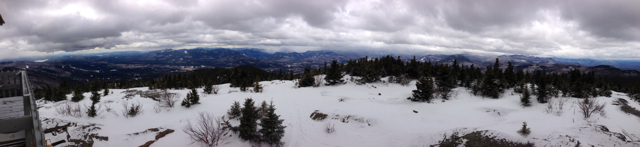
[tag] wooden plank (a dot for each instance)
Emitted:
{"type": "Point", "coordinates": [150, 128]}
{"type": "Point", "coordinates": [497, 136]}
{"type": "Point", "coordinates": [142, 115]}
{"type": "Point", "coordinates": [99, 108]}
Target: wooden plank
{"type": "Point", "coordinates": [16, 124]}
{"type": "Point", "coordinates": [10, 103]}
{"type": "Point", "coordinates": [15, 98]}
{"type": "Point", "coordinates": [5, 116]}
{"type": "Point", "coordinates": [11, 110]}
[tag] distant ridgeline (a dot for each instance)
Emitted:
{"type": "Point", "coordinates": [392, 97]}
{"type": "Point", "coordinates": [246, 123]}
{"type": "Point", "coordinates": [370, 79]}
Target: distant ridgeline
{"type": "Point", "coordinates": [489, 81]}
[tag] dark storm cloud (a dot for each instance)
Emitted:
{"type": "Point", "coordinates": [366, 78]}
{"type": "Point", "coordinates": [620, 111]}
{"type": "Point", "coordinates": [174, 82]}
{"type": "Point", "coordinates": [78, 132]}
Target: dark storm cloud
{"type": "Point", "coordinates": [572, 28]}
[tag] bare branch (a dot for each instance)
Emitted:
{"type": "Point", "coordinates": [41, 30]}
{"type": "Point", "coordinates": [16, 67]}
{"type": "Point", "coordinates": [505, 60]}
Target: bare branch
{"type": "Point", "coordinates": [208, 130]}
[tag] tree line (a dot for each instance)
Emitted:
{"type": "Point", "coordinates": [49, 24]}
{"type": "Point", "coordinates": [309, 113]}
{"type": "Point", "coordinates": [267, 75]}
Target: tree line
{"type": "Point", "coordinates": [433, 79]}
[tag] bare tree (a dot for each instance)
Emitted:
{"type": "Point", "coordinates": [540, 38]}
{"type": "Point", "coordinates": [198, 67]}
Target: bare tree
{"type": "Point", "coordinates": [588, 107]}
{"type": "Point", "coordinates": [319, 79]}
{"type": "Point", "coordinates": [404, 81]}
{"type": "Point", "coordinates": [208, 130]}
{"type": "Point", "coordinates": [168, 99]}
{"type": "Point", "coordinates": [215, 89]}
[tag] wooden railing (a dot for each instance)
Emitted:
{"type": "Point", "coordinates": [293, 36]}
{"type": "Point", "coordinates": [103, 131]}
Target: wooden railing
{"type": "Point", "coordinates": [18, 111]}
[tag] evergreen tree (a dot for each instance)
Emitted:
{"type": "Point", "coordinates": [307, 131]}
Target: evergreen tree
{"type": "Point", "coordinates": [248, 125]}
{"type": "Point", "coordinates": [499, 76]}
{"type": "Point", "coordinates": [262, 110]}
{"type": "Point", "coordinates": [524, 99]}
{"type": "Point", "coordinates": [510, 76]}
{"type": "Point", "coordinates": [235, 110]}
{"type": "Point", "coordinates": [605, 90]}
{"type": "Point", "coordinates": [186, 102]}
{"type": "Point", "coordinates": [257, 87]}
{"type": "Point", "coordinates": [272, 129]}
{"type": "Point", "coordinates": [77, 95]}
{"type": "Point", "coordinates": [208, 87]}
{"type": "Point", "coordinates": [92, 111]}
{"type": "Point", "coordinates": [307, 79]}
{"type": "Point", "coordinates": [106, 91]}
{"type": "Point", "coordinates": [490, 86]}
{"type": "Point", "coordinates": [193, 97]}
{"type": "Point", "coordinates": [445, 81]}
{"type": "Point", "coordinates": [424, 89]}
{"type": "Point", "coordinates": [542, 90]}
{"type": "Point", "coordinates": [48, 93]}
{"type": "Point", "coordinates": [334, 75]}
{"type": "Point", "coordinates": [95, 96]}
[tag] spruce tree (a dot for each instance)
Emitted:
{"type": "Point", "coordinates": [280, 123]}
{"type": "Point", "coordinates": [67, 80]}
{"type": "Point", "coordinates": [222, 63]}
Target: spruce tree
{"type": "Point", "coordinates": [307, 79]}
{"type": "Point", "coordinates": [272, 129]}
{"type": "Point", "coordinates": [208, 87]}
{"type": "Point", "coordinates": [445, 82]}
{"type": "Point", "coordinates": [235, 110]}
{"type": "Point", "coordinates": [510, 76]}
{"type": "Point", "coordinates": [542, 88]}
{"type": "Point", "coordinates": [106, 91]}
{"type": "Point", "coordinates": [257, 88]}
{"type": "Point", "coordinates": [424, 90]}
{"type": "Point", "coordinates": [77, 95]}
{"type": "Point", "coordinates": [193, 97]}
{"type": "Point", "coordinates": [95, 96]}
{"type": "Point", "coordinates": [605, 90]}
{"type": "Point", "coordinates": [490, 86]}
{"type": "Point", "coordinates": [248, 125]}
{"type": "Point", "coordinates": [186, 102]}
{"type": "Point", "coordinates": [524, 99]}
{"type": "Point", "coordinates": [92, 111]}
{"type": "Point", "coordinates": [262, 110]}
{"type": "Point", "coordinates": [334, 75]}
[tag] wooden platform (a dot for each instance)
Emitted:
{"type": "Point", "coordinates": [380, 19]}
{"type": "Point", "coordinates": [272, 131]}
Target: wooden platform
{"type": "Point", "coordinates": [11, 107]}
{"type": "Point", "coordinates": [19, 119]}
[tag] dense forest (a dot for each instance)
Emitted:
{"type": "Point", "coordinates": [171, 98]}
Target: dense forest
{"type": "Point", "coordinates": [434, 80]}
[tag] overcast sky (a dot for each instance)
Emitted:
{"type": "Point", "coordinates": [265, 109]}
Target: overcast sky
{"type": "Point", "coordinates": [595, 29]}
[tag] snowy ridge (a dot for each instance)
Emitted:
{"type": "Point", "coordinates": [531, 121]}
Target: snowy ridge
{"type": "Point", "coordinates": [395, 123]}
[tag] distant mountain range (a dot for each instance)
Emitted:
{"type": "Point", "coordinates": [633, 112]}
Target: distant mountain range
{"type": "Point", "coordinates": [143, 65]}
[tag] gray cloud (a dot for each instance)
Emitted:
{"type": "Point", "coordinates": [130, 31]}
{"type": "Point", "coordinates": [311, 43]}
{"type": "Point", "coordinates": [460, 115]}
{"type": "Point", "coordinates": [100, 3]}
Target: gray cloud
{"type": "Point", "coordinates": [574, 29]}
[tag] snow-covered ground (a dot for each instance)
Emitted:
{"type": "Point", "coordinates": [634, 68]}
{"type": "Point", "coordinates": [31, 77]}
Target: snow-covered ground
{"type": "Point", "coordinates": [379, 115]}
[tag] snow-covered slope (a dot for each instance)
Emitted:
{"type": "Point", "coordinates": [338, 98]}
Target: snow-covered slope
{"type": "Point", "coordinates": [379, 115]}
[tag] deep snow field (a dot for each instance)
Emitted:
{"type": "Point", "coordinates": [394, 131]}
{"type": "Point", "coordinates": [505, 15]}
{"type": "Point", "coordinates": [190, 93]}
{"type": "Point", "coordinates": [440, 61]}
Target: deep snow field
{"type": "Point", "coordinates": [376, 120]}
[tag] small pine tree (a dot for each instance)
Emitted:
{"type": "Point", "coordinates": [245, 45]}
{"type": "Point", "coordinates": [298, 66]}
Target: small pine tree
{"type": "Point", "coordinates": [307, 78]}
{"type": "Point", "coordinates": [92, 110]}
{"type": "Point", "coordinates": [106, 91]}
{"type": "Point", "coordinates": [334, 75]}
{"type": "Point", "coordinates": [257, 88]}
{"type": "Point", "coordinates": [248, 125]}
{"type": "Point", "coordinates": [262, 111]}
{"type": "Point", "coordinates": [235, 110]}
{"type": "Point", "coordinates": [524, 131]}
{"type": "Point", "coordinates": [193, 97]}
{"type": "Point", "coordinates": [524, 99]}
{"type": "Point", "coordinates": [95, 97]}
{"type": "Point", "coordinates": [186, 102]}
{"type": "Point", "coordinates": [77, 95]}
{"type": "Point", "coordinates": [605, 91]}
{"type": "Point", "coordinates": [272, 129]}
{"type": "Point", "coordinates": [542, 90]}
{"type": "Point", "coordinates": [208, 87]}
{"type": "Point", "coordinates": [424, 91]}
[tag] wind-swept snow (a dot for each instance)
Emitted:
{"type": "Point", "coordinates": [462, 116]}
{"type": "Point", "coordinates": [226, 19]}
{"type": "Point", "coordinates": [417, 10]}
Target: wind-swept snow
{"type": "Point", "coordinates": [380, 115]}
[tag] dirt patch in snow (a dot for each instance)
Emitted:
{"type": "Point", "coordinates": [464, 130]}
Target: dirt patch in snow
{"type": "Point", "coordinates": [317, 116]}
{"type": "Point", "coordinates": [160, 134]}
